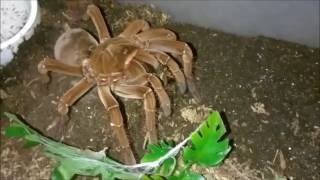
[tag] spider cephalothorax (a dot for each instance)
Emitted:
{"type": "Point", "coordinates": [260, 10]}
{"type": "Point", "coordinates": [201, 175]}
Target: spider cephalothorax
{"type": "Point", "coordinates": [116, 65]}
{"type": "Point", "coordinates": [108, 63]}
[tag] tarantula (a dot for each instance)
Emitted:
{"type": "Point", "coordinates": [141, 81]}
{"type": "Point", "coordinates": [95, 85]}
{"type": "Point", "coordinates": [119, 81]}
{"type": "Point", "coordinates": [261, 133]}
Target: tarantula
{"type": "Point", "coordinates": [116, 65]}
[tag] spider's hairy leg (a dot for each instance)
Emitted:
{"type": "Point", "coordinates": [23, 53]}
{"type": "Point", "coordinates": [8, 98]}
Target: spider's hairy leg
{"type": "Point", "coordinates": [157, 34]}
{"type": "Point", "coordinates": [145, 57]}
{"type": "Point", "coordinates": [166, 60]}
{"type": "Point", "coordinates": [145, 93]}
{"type": "Point", "coordinates": [72, 95]}
{"type": "Point", "coordinates": [162, 94]}
{"type": "Point", "coordinates": [112, 106]}
{"type": "Point", "coordinates": [182, 49]}
{"type": "Point", "coordinates": [134, 27]}
{"type": "Point", "coordinates": [160, 91]}
{"type": "Point", "coordinates": [97, 18]}
{"type": "Point", "coordinates": [49, 64]}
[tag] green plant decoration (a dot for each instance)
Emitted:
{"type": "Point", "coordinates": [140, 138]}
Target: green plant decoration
{"type": "Point", "coordinates": [205, 147]}
{"type": "Point", "coordinates": [186, 174]}
{"type": "Point", "coordinates": [157, 151]}
{"type": "Point", "coordinates": [71, 160]}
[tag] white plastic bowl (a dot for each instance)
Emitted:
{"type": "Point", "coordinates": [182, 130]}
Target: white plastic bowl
{"type": "Point", "coordinates": [9, 20]}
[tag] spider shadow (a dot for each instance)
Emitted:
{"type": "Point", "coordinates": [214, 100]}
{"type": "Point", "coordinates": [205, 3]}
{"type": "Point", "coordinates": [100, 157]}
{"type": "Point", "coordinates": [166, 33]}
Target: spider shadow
{"type": "Point", "coordinates": [228, 131]}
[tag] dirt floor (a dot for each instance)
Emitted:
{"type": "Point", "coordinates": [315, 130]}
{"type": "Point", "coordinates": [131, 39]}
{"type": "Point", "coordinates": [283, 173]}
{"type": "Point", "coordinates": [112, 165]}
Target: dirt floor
{"type": "Point", "coordinates": [268, 91]}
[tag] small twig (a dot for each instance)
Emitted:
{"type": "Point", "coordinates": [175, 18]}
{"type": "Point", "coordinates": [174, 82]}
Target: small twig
{"type": "Point", "coordinates": [275, 156]}
{"type": "Point", "coordinates": [31, 81]}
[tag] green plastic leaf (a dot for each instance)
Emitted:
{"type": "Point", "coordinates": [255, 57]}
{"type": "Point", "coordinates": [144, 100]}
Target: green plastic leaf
{"type": "Point", "coordinates": [15, 130]}
{"type": "Point", "coordinates": [29, 144]}
{"type": "Point", "coordinates": [167, 168]}
{"type": "Point", "coordinates": [18, 130]}
{"type": "Point", "coordinates": [71, 160]}
{"type": "Point", "coordinates": [206, 147]}
{"type": "Point", "coordinates": [11, 116]}
{"type": "Point", "coordinates": [153, 177]}
{"type": "Point", "coordinates": [60, 173]}
{"type": "Point", "coordinates": [187, 175]}
{"type": "Point", "coordinates": [157, 151]}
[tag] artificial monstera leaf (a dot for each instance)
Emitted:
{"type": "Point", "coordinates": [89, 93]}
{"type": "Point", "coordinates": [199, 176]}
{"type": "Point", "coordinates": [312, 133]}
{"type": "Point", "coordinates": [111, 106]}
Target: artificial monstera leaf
{"type": "Point", "coordinates": [207, 148]}
{"type": "Point", "coordinates": [153, 177]}
{"type": "Point", "coordinates": [156, 151]}
{"type": "Point", "coordinates": [187, 175]}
